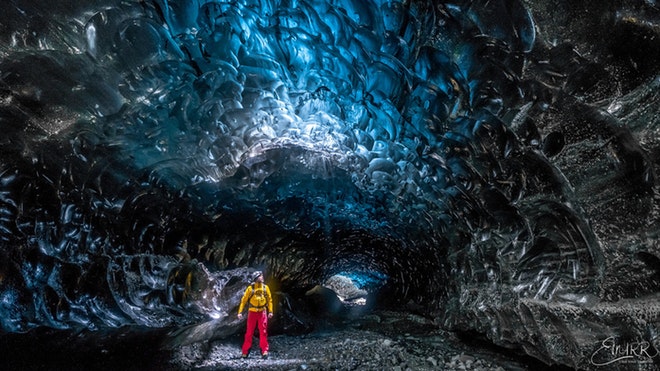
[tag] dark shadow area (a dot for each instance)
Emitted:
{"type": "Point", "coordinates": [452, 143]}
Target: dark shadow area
{"type": "Point", "coordinates": [478, 341]}
{"type": "Point", "coordinates": [126, 348]}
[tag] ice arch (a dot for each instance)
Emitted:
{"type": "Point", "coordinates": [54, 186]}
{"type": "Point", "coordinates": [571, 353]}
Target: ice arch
{"type": "Point", "coordinates": [154, 147]}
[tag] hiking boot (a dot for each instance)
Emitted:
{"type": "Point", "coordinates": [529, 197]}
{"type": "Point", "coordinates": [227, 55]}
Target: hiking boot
{"type": "Point", "coordinates": [244, 356]}
{"type": "Point", "coordinates": [264, 355]}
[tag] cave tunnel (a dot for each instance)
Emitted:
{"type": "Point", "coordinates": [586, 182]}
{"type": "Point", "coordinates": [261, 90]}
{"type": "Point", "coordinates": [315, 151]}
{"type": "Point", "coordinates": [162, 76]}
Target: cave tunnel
{"type": "Point", "coordinates": [488, 165]}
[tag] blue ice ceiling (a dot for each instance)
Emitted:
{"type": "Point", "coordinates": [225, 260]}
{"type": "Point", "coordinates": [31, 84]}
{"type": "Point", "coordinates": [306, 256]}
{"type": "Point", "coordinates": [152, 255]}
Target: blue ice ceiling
{"type": "Point", "coordinates": [233, 132]}
{"type": "Point", "coordinates": [151, 147]}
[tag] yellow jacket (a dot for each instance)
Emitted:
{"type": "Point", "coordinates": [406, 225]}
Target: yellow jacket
{"type": "Point", "coordinates": [258, 295]}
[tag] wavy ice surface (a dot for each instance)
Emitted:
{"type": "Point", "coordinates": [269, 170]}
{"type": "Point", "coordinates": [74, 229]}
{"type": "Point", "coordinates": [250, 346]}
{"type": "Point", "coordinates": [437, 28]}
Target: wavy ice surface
{"type": "Point", "coordinates": [260, 103]}
{"type": "Point", "coordinates": [151, 146]}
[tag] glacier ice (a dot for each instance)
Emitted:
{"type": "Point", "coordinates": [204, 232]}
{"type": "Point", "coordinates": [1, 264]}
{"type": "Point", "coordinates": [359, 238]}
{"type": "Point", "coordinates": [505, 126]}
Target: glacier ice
{"type": "Point", "coordinates": [154, 149]}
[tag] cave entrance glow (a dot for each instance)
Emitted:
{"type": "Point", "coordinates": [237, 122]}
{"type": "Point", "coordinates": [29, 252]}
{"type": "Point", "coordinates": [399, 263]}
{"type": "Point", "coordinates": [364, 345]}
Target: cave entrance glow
{"type": "Point", "coordinates": [353, 288]}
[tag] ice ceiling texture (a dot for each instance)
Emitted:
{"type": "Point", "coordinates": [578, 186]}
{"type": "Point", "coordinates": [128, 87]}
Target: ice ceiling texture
{"type": "Point", "coordinates": [489, 163]}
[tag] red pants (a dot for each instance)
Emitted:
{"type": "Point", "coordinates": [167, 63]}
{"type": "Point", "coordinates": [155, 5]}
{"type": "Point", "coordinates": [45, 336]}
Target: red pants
{"type": "Point", "coordinates": [254, 319]}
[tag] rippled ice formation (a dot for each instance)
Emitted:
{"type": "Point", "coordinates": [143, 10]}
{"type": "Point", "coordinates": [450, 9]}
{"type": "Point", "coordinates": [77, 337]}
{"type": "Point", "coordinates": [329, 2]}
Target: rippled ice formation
{"type": "Point", "coordinates": [153, 148]}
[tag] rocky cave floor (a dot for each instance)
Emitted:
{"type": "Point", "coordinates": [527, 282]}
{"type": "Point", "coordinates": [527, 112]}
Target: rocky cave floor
{"type": "Point", "coordinates": [377, 341]}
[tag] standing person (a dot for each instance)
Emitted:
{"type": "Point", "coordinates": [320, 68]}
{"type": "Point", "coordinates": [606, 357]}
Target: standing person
{"type": "Point", "coordinates": [257, 295]}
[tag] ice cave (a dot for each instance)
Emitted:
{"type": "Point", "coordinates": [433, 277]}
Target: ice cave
{"type": "Point", "coordinates": [487, 166]}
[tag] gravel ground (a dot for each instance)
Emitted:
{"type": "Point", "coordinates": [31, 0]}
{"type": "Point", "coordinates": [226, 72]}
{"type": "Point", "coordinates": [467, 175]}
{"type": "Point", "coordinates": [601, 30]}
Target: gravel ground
{"type": "Point", "coordinates": [382, 341]}
{"type": "Point", "coordinates": [376, 341]}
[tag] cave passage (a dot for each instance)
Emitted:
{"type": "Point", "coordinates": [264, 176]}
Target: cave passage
{"type": "Point", "coordinates": [304, 138]}
{"type": "Point", "coordinates": [415, 154]}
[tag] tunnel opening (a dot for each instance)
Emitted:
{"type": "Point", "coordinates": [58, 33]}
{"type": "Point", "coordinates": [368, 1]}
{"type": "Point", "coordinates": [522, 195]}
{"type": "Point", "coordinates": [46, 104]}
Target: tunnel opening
{"type": "Point", "coordinates": [354, 287]}
{"type": "Point", "coordinates": [350, 263]}
{"type": "Point", "coordinates": [345, 289]}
